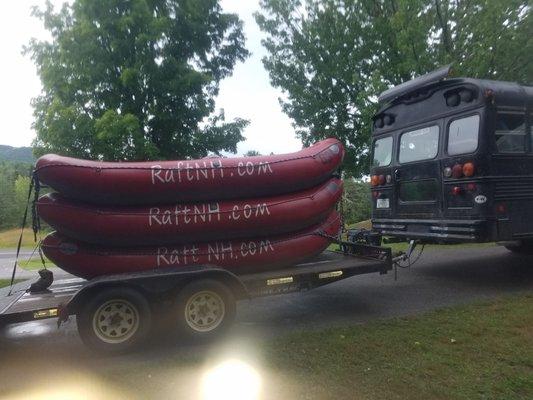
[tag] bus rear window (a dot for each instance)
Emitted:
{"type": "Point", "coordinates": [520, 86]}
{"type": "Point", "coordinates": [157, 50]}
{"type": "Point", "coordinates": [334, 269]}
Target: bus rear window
{"type": "Point", "coordinates": [463, 135]}
{"type": "Point", "coordinates": [510, 133]}
{"type": "Point", "coordinates": [382, 152]}
{"type": "Point", "coordinates": [421, 144]}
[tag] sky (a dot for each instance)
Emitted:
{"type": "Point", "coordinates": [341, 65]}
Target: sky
{"type": "Point", "coordinates": [246, 94]}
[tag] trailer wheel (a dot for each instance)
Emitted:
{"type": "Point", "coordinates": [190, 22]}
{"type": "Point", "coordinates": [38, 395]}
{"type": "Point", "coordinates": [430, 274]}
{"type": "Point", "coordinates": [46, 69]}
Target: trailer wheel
{"type": "Point", "coordinates": [525, 247]}
{"type": "Point", "coordinates": [115, 320]}
{"type": "Point", "coordinates": [205, 309]}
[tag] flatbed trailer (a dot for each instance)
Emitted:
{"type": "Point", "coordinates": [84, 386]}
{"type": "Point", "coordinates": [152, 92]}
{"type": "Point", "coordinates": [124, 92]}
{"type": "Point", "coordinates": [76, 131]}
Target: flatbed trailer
{"type": "Point", "coordinates": [116, 312]}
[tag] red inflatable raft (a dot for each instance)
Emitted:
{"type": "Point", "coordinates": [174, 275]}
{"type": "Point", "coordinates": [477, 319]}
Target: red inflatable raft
{"type": "Point", "coordinates": [238, 256]}
{"type": "Point", "coordinates": [164, 182]}
{"type": "Point", "coordinates": [185, 223]}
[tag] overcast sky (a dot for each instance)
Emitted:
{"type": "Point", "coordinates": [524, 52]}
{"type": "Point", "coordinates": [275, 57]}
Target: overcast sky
{"type": "Point", "coordinates": [247, 94]}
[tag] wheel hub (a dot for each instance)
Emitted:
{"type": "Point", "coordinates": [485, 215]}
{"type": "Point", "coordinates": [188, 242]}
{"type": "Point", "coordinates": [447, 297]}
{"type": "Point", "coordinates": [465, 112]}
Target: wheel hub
{"type": "Point", "coordinates": [205, 311]}
{"type": "Point", "coordinates": [116, 321]}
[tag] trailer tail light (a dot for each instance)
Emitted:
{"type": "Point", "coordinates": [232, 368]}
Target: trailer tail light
{"type": "Point", "coordinates": [456, 190]}
{"type": "Point", "coordinates": [457, 171]}
{"type": "Point", "coordinates": [468, 169]}
{"type": "Point", "coordinates": [374, 180]}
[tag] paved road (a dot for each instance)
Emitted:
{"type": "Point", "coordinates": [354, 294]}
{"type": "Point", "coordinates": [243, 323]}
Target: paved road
{"type": "Point", "coordinates": [441, 278]}
{"type": "Point", "coordinates": [7, 259]}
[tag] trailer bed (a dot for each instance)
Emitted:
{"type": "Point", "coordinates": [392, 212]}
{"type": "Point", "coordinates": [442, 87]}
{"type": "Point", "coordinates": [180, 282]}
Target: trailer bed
{"type": "Point", "coordinates": [326, 268]}
{"type": "Point", "coordinates": [25, 306]}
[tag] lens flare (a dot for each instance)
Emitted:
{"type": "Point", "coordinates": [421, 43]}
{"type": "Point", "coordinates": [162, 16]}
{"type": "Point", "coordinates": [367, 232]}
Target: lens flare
{"type": "Point", "coordinates": [231, 380]}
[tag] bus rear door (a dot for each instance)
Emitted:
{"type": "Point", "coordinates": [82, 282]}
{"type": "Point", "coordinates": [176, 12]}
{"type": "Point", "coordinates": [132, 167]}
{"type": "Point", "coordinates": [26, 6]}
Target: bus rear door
{"type": "Point", "coordinates": [417, 176]}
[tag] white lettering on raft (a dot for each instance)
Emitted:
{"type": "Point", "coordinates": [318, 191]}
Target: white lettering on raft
{"type": "Point", "coordinates": [249, 168]}
{"type": "Point", "coordinates": [184, 215]}
{"type": "Point", "coordinates": [203, 213]}
{"type": "Point", "coordinates": [206, 170]}
{"type": "Point", "coordinates": [248, 211]}
{"type": "Point", "coordinates": [218, 251]}
{"type": "Point", "coordinates": [188, 171]}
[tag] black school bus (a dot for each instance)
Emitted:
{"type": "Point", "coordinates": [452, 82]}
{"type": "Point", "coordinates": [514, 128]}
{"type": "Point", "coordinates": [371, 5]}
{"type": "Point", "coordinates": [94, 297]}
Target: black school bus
{"type": "Point", "coordinates": [453, 161]}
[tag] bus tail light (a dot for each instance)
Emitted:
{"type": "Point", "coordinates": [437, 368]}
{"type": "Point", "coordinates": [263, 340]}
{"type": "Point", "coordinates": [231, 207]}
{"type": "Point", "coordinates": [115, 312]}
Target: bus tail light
{"type": "Point", "coordinates": [382, 179]}
{"type": "Point", "coordinates": [375, 194]}
{"type": "Point", "coordinates": [447, 172]}
{"type": "Point", "coordinates": [468, 169]}
{"type": "Point", "coordinates": [456, 190]}
{"type": "Point", "coordinates": [471, 187]}
{"type": "Point", "coordinates": [457, 171]}
{"type": "Point", "coordinates": [388, 179]}
{"type": "Point", "coordinates": [374, 180]}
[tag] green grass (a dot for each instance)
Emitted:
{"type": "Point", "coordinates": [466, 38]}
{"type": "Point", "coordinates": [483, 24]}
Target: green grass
{"type": "Point", "coordinates": [482, 351]}
{"type": "Point", "coordinates": [478, 351]}
{"type": "Point", "coordinates": [35, 263]}
{"type": "Point", "coordinates": [402, 246]}
{"type": "Point", "coordinates": [10, 238]}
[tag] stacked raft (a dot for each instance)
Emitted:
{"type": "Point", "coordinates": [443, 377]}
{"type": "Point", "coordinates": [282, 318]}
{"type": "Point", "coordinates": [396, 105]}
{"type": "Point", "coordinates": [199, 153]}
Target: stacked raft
{"type": "Point", "coordinates": [243, 214]}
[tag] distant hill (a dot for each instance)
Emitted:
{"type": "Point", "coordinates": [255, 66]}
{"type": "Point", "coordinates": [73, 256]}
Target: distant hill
{"type": "Point", "coordinates": [16, 154]}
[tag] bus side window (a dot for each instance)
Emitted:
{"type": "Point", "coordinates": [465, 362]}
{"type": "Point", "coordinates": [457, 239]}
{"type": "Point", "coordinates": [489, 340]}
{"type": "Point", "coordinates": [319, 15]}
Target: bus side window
{"type": "Point", "coordinates": [510, 132]}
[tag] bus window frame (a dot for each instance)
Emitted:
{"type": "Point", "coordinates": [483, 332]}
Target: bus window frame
{"type": "Point", "coordinates": [437, 123]}
{"type": "Point", "coordinates": [455, 118]}
{"type": "Point", "coordinates": [527, 148]}
{"type": "Point", "coordinates": [391, 135]}
{"type": "Point", "coordinates": [529, 131]}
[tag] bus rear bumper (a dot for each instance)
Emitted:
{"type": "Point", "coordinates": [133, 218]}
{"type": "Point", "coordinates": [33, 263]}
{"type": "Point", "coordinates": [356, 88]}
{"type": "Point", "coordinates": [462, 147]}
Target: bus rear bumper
{"type": "Point", "coordinates": [436, 230]}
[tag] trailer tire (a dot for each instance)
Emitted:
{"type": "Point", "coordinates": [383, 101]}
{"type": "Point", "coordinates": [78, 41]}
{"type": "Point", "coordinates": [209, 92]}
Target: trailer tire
{"type": "Point", "coordinates": [115, 320]}
{"type": "Point", "coordinates": [205, 309]}
{"type": "Point", "coordinates": [525, 247]}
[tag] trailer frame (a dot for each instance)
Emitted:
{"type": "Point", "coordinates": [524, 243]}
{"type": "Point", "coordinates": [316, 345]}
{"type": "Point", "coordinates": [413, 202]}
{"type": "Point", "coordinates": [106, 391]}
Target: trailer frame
{"type": "Point", "coordinates": [65, 298]}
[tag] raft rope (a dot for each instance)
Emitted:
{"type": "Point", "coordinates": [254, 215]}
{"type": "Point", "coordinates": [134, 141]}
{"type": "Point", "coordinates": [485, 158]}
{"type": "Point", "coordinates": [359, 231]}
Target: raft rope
{"type": "Point", "coordinates": [22, 226]}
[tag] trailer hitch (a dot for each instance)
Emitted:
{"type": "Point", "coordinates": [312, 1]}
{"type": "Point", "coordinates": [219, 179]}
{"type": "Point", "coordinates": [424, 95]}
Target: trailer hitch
{"type": "Point", "coordinates": [406, 257]}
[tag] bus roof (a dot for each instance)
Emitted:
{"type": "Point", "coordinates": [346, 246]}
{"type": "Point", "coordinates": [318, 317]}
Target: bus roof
{"type": "Point", "coordinates": [507, 93]}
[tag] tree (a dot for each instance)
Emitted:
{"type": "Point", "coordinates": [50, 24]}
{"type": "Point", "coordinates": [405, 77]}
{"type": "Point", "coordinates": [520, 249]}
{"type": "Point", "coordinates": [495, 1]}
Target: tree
{"type": "Point", "coordinates": [331, 58]}
{"type": "Point", "coordinates": [14, 186]}
{"type": "Point", "coordinates": [357, 204]}
{"type": "Point", "coordinates": [251, 153]}
{"type": "Point", "coordinates": [135, 79]}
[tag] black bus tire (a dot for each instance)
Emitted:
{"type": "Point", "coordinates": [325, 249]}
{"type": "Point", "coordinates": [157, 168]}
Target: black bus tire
{"type": "Point", "coordinates": [115, 320]}
{"type": "Point", "coordinates": [525, 247]}
{"type": "Point", "coordinates": [205, 309]}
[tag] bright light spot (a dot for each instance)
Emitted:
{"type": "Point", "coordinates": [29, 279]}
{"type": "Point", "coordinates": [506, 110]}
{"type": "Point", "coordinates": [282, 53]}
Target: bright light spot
{"type": "Point", "coordinates": [231, 380]}
{"type": "Point", "coordinates": [65, 387]}
{"type": "Point", "coordinates": [31, 329]}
